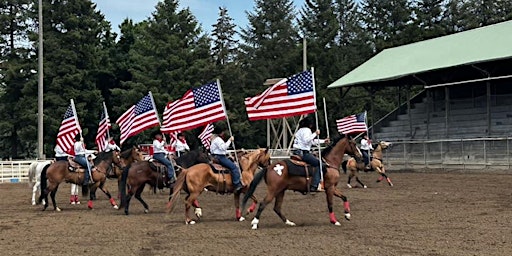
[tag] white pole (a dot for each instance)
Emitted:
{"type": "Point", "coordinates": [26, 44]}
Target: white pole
{"type": "Point", "coordinates": [154, 107]}
{"type": "Point", "coordinates": [40, 113]}
{"type": "Point", "coordinates": [227, 120]}
{"type": "Point", "coordinates": [326, 123]}
{"type": "Point", "coordinates": [318, 136]}
{"type": "Point", "coordinates": [107, 118]}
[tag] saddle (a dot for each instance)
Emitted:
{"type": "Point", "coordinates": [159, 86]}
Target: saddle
{"type": "Point", "coordinates": [157, 166]}
{"type": "Point", "coordinates": [298, 168]}
{"type": "Point", "coordinates": [74, 166]}
{"type": "Point", "coordinates": [217, 168]}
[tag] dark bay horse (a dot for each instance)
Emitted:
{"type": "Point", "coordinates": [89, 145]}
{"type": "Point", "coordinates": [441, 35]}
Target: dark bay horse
{"type": "Point", "coordinates": [145, 172]}
{"type": "Point", "coordinates": [127, 157]}
{"type": "Point", "coordinates": [352, 166]}
{"type": "Point", "coordinates": [195, 179]}
{"type": "Point", "coordinates": [57, 172]}
{"type": "Point", "coordinates": [279, 179]}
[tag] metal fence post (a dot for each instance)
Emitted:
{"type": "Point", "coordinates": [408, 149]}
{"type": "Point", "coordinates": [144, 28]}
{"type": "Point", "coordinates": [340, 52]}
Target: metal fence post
{"type": "Point", "coordinates": [462, 154]}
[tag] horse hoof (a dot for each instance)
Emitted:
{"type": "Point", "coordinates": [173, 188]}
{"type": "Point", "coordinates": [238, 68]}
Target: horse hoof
{"type": "Point", "coordinates": [255, 223]}
{"type": "Point", "coordinates": [290, 223]}
{"type": "Point", "coordinates": [390, 184]}
{"type": "Point", "coordinates": [198, 212]}
{"type": "Point", "coordinates": [254, 227]}
{"type": "Point", "coordinates": [349, 186]}
{"type": "Point", "coordinates": [190, 222]}
{"type": "Point", "coordinates": [241, 219]}
{"type": "Point", "coordinates": [365, 186]}
{"type": "Point", "coordinates": [126, 213]}
{"type": "Point", "coordinates": [58, 209]}
{"type": "Point", "coordinates": [347, 216]}
{"type": "Point", "coordinates": [146, 210]}
{"type": "Point", "coordinates": [337, 223]}
{"type": "Point", "coordinates": [116, 207]}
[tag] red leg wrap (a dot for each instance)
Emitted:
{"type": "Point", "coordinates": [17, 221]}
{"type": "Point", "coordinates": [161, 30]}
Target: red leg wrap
{"type": "Point", "coordinates": [253, 207]}
{"type": "Point", "coordinates": [113, 201]}
{"type": "Point", "coordinates": [89, 204]}
{"type": "Point", "coordinates": [346, 205]}
{"type": "Point", "coordinates": [238, 213]}
{"type": "Point", "coordinates": [196, 204]}
{"type": "Point", "coordinates": [332, 218]}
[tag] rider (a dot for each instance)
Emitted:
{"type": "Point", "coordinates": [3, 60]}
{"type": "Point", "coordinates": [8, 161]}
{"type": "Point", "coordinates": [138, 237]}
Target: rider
{"type": "Point", "coordinates": [366, 146]}
{"type": "Point", "coordinates": [218, 149]}
{"type": "Point", "coordinates": [60, 155]}
{"type": "Point", "coordinates": [80, 157]}
{"type": "Point", "coordinates": [304, 139]}
{"type": "Point", "coordinates": [181, 145]}
{"type": "Point", "coordinates": [111, 145]}
{"type": "Point", "coordinates": [160, 154]}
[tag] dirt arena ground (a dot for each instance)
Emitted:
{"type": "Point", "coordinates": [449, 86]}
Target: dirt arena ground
{"type": "Point", "coordinates": [423, 214]}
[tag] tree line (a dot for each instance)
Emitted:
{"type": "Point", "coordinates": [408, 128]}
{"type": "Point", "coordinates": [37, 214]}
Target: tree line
{"type": "Point", "coordinates": [169, 52]}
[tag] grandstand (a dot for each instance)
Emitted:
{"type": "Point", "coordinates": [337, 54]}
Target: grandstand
{"type": "Point", "coordinates": [463, 117]}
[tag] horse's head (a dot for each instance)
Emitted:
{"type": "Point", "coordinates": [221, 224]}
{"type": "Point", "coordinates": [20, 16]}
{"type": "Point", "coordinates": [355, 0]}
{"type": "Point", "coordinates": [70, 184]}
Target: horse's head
{"type": "Point", "coordinates": [339, 146]}
{"type": "Point", "coordinates": [136, 154]}
{"type": "Point", "coordinates": [384, 144]}
{"type": "Point", "coordinates": [259, 157]}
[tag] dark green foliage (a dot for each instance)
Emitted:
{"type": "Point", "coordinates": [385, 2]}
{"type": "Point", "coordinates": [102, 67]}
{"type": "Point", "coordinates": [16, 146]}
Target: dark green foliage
{"type": "Point", "coordinates": [168, 54]}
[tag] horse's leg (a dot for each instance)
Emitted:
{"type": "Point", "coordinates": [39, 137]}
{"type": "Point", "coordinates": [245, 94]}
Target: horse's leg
{"type": "Point", "coordinates": [35, 188]}
{"type": "Point", "coordinates": [383, 176]}
{"type": "Point", "coordinates": [253, 205]}
{"type": "Point", "coordinates": [360, 182]}
{"type": "Point", "coordinates": [346, 205]}
{"type": "Point", "coordinates": [256, 220]}
{"type": "Point", "coordinates": [138, 193]}
{"type": "Point", "coordinates": [198, 211]}
{"type": "Point", "coordinates": [107, 193]}
{"type": "Point", "coordinates": [238, 212]}
{"type": "Point", "coordinates": [128, 197]}
{"type": "Point", "coordinates": [190, 201]}
{"type": "Point", "coordinates": [277, 208]}
{"type": "Point", "coordinates": [52, 195]}
{"type": "Point", "coordinates": [350, 176]}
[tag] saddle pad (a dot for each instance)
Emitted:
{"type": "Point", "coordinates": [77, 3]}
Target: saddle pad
{"type": "Point", "coordinates": [296, 168]}
{"type": "Point", "coordinates": [217, 168]}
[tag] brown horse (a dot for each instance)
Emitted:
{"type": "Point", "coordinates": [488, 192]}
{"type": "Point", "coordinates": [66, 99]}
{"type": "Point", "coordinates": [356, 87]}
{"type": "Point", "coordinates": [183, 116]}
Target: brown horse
{"type": "Point", "coordinates": [57, 172]}
{"type": "Point", "coordinates": [127, 157]}
{"type": "Point", "coordinates": [279, 178]}
{"type": "Point", "coordinates": [197, 178]}
{"type": "Point", "coordinates": [153, 173]}
{"type": "Point", "coordinates": [376, 164]}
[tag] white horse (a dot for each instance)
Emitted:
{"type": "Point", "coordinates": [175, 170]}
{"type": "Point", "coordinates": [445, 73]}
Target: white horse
{"type": "Point", "coordinates": [34, 175]}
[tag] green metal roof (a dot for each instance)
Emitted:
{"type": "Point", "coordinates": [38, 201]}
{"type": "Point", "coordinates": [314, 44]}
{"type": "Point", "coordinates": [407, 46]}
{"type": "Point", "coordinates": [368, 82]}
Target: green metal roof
{"type": "Point", "coordinates": [473, 46]}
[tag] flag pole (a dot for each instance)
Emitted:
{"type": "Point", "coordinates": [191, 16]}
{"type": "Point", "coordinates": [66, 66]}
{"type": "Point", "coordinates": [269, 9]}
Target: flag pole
{"type": "Point", "coordinates": [154, 107]}
{"type": "Point", "coordinates": [317, 136]}
{"type": "Point", "coordinates": [81, 136]}
{"type": "Point", "coordinates": [326, 123]}
{"type": "Point", "coordinates": [106, 118]}
{"type": "Point", "coordinates": [227, 120]}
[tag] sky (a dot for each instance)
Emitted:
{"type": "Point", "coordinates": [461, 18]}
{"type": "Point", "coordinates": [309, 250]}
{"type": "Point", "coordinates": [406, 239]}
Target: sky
{"type": "Point", "coordinates": [205, 11]}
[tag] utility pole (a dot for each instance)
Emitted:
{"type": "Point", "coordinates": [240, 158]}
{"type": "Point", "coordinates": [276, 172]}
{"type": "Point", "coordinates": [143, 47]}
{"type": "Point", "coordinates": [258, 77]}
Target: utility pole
{"type": "Point", "coordinates": [40, 153]}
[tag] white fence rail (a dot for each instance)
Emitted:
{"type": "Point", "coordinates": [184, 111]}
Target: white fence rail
{"type": "Point", "coordinates": [478, 153]}
{"type": "Point", "coordinates": [14, 171]}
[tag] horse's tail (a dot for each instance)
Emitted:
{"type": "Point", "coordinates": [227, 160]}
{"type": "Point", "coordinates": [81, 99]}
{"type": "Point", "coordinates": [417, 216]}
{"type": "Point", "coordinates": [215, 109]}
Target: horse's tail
{"type": "Point", "coordinates": [252, 187]}
{"type": "Point", "coordinates": [344, 166]}
{"type": "Point", "coordinates": [178, 186]}
{"type": "Point", "coordinates": [32, 173]}
{"type": "Point", "coordinates": [122, 185]}
{"type": "Point", "coordinates": [44, 183]}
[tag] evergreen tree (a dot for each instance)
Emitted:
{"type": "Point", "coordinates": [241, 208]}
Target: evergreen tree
{"type": "Point", "coordinates": [487, 12]}
{"type": "Point", "coordinates": [430, 18]}
{"type": "Point", "coordinates": [168, 56]}
{"type": "Point", "coordinates": [75, 37]}
{"type": "Point", "coordinates": [17, 75]}
{"type": "Point", "coordinates": [270, 50]}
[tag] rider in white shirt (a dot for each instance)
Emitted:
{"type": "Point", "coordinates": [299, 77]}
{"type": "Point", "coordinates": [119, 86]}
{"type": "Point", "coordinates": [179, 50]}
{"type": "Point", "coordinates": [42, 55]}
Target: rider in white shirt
{"type": "Point", "coordinates": [81, 157]}
{"type": "Point", "coordinates": [219, 150]}
{"type": "Point", "coordinates": [111, 145]}
{"type": "Point", "coordinates": [160, 154]}
{"type": "Point", "coordinates": [304, 140]}
{"type": "Point", "coordinates": [181, 145]}
{"type": "Point", "coordinates": [366, 146]}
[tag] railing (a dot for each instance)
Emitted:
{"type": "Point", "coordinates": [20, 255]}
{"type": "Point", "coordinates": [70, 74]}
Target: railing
{"type": "Point", "coordinates": [478, 153]}
{"type": "Point", "coordinates": [14, 171]}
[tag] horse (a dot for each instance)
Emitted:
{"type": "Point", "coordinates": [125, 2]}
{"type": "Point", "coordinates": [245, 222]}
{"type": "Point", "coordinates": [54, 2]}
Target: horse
{"type": "Point", "coordinates": [127, 157]}
{"type": "Point", "coordinates": [34, 177]}
{"type": "Point", "coordinates": [376, 165]}
{"type": "Point", "coordinates": [54, 174]}
{"type": "Point", "coordinates": [196, 179]}
{"type": "Point", "coordinates": [287, 175]}
{"type": "Point", "coordinates": [154, 174]}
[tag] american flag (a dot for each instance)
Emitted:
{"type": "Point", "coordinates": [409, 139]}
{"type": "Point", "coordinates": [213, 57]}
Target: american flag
{"type": "Point", "coordinates": [104, 126]}
{"type": "Point", "coordinates": [352, 123]}
{"type": "Point", "coordinates": [69, 128]}
{"type": "Point", "coordinates": [289, 97]}
{"type": "Point", "coordinates": [205, 135]}
{"type": "Point", "coordinates": [199, 106]}
{"type": "Point", "coordinates": [138, 118]}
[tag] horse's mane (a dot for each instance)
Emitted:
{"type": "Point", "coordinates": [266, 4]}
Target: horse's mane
{"type": "Point", "coordinates": [127, 153]}
{"type": "Point", "coordinates": [334, 141]}
{"type": "Point", "coordinates": [102, 156]}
